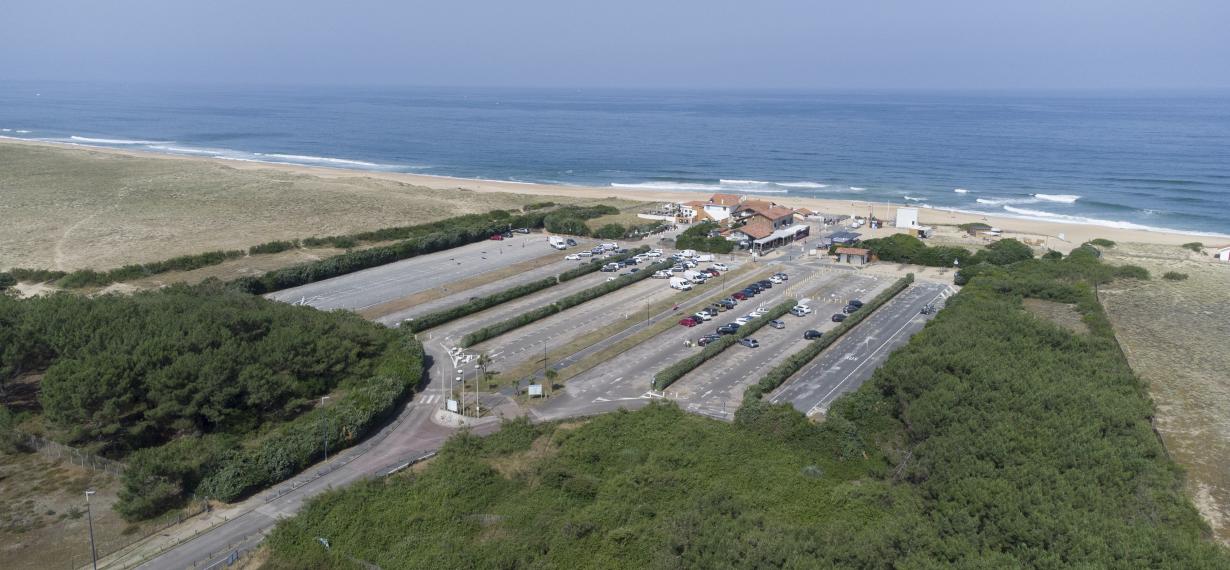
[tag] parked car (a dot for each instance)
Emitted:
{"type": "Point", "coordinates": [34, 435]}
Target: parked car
{"type": "Point", "coordinates": [775, 280]}
{"type": "Point", "coordinates": [610, 267]}
{"type": "Point", "coordinates": [855, 303]}
{"type": "Point", "coordinates": [750, 343]}
{"type": "Point", "coordinates": [571, 242]}
{"type": "Point", "coordinates": [633, 270]}
{"type": "Point", "coordinates": [743, 320]}
{"type": "Point", "coordinates": [497, 237]}
{"type": "Point", "coordinates": [585, 253]}
{"type": "Point", "coordinates": [718, 307]}
{"type": "Point", "coordinates": [730, 302]}
{"type": "Point", "coordinates": [777, 324]}
{"type": "Point", "coordinates": [703, 316]}
{"type": "Point", "coordinates": [800, 310]}
{"type": "Point", "coordinates": [740, 295]}
{"type": "Point", "coordinates": [721, 267]}
{"type": "Point", "coordinates": [811, 334]}
{"type": "Point", "coordinates": [713, 272]}
{"type": "Point", "coordinates": [838, 318]}
{"type": "Point", "coordinates": [849, 309]}
{"type": "Point", "coordinates": [713, 311]}
{"type": "Point", "coordinates": [728, 328]}
{"type": "Point", "coordinates": [757, 313]}
{"type": "Point", "coordinates": [765, 284]}
{"type": "Point", "coordinates": [654, 254]}
{"type": "Point", "coordinates": [927, 310]}
{"type": "Point", "coordinates": [522, 230]}
{"type": "Point", "coordinates": [750, 292]}
{"type": "Point", "coordinates": [688, 322]}
{"type": "Point", "coordinates": [702, 341]}
{"type": "Point", "coordinates": [572, 257]}
{"type": "Point", "coordinates": [782, 276]}
{"type": "Point", "coordinates": [507, 233]}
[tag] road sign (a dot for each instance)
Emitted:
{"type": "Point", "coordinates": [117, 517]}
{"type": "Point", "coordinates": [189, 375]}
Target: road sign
{"type": "Point", "coordinates": [535, 390]}
{"type": "Point", "coordinates": [451, 406]}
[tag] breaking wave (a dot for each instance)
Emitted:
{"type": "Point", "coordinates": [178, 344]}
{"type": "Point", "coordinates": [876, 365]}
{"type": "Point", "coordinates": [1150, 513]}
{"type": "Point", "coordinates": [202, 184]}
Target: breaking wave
{"type": "Point", "coordinates": [89, 140]}
{"type": "Point", "coordinates": [1062, 198]}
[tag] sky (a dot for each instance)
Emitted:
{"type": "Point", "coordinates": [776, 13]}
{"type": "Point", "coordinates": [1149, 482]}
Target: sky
{"type": "Point", "coordinates": [774, 44]}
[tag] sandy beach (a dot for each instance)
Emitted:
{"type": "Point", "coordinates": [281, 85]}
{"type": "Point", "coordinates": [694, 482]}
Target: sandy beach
{"type": "Point", "coordinates": [1055, 235]}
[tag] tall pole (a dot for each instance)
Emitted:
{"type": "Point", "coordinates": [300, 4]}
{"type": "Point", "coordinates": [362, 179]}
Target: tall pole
{"type": "Point", "coordinates": [90, 517]}
{"type": "Point", "coordinates": [324, 427]}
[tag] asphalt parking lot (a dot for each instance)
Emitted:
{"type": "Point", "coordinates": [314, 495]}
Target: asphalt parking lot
{"type": "Point", "coordinates": [370, 287]}
{"type": "Point", "coordinates": [624, 381]}
{"type": "Point", "coordinates": [716, 387]}
{"type": "Point", "coordinates": [844, 366]}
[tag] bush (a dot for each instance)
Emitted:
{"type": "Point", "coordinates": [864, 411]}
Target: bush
{"type": "Point", "coordinates": [273, 247]}
{"type": "Point", "coordinates": [1132, 272]}
{"type": "Point", "coordinates": [35, 275]}
{"type": "Point", "coordinates": [6, 281]}
{"type": "Point", "coordinates": [670, 374]}
{"type": "Point", "coordinates": [1101, 242]}
{"type": "Point", "coordinates": [442, 316]}
{"type": "Point", "coordinates": [610, 231]}
{"type": "Point", "coordinates": [92, 278]}
{"type": "Point", "coordinates": [697, 238]}
{"type": "Point", "coordinates": [795, 362]}
{"type": "Point", "coordinates": [537, 206]}
{"type": "Point", "coordinates": [1174, 276]}
{"type": "Point", "coordinates": [1194, 246]}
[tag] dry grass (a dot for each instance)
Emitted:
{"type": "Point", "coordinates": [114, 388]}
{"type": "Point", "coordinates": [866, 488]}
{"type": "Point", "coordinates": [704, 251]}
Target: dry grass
{"type": "Point", "coordinates": [1062, 314]}
{"type": "Point", "coordinates": [1175, 336]}
{"type": "Point", "coordinates": [624, 219]}
{"type": "Point", "coordinates": [75, 208]}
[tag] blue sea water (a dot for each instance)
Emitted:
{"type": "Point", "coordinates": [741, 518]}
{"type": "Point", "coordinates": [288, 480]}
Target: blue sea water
{"type": "Point", "coordinates": [1118, 159]}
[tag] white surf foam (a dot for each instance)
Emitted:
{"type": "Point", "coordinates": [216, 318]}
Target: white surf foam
{"type": "Point", "coordinates": [960, 191]}
{"type": "Point", "coordinates": [912, 199]}
{"type": "Point", "coordinates": [1062, 198]}
{"type": "Point", "coordinates": [90, 140]}
{"type": "Point", "coordinates": [857, 189]}
{"type": "Point", "coordinates": [687, 186]}
{"type": "Point", "coordinates": [802, 185]}
{"type": "Point", "coordinates": [22, 131]}
{"type": "Point", "coordinates": [318, 159]}
{"type": "Point", "coordinates": [185, 150]}
{"type": "Point", "coordinates": [1002, 201]}
{"type": "Point", "coordinates": [736, 182]}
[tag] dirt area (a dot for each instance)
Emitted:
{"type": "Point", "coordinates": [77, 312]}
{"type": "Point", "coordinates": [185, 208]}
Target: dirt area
{"type": "Point", "coordinates": [68, 209]}
{"type": "Point", "coordinates": [1174, 334]}
{"type": "Point", "coordinates": [43, 521]}
{"type": "Point", "coordinates": [1062, 314]}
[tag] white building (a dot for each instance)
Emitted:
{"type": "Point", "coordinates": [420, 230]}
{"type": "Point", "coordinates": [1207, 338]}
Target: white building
{"type": "Point", "coordinates": [907, 218]}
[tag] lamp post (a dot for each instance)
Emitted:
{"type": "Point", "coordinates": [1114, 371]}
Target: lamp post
{"type": "Point", "coordinates": [324, 427]}
{"type": "Point", "coordinates": [90, 517]}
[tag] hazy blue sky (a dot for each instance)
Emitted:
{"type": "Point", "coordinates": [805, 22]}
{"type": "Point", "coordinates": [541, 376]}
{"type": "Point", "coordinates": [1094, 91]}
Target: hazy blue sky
{"type": "Point", "coordinates": [696, 43]}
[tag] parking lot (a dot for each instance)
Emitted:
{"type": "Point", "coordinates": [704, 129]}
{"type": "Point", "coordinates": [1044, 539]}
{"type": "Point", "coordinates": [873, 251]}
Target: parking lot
{"type": "Point", "coordinates": [852, 360]}
{"type": "Point", "coordinates": [716, 387]}
{"type": "Point", "coordinates": [363, 289]}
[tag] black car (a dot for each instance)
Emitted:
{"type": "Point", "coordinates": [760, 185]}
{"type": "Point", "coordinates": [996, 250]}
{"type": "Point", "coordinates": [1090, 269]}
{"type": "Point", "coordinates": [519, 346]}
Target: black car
{"type": "Point", "coordinates": [708, 339]}
{"type": "Point", "coordinates": [508, 234]}
{"type": "Point", "coordinates": [766, 284]}
{"type": "Point", "coordinates": [750, 292]}
{"type": "Point", "coordinates": [631, 261]}
{"type": "Point", "coordinates": [855, 303]}
{"type": "Point", "coordinates": [728, 328]}
{"type": "Point", "coordinates": [838, 318]}
{"type": "Point", "coordinates": [633, 270]}
{"type": "Point", "coordinates": [571, 242]}
{"type": "Point", "coordinates": [812, 334]}
{"type": "Point", "coordinates": [849, 309]}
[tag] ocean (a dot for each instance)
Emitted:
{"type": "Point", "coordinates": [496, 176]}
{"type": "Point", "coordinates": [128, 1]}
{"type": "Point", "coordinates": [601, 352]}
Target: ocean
{"type": "Point", "coordinates": [1117, 159]}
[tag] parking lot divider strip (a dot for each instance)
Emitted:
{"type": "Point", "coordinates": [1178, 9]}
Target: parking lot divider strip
{"type": "Point", "coordinates": [670, 374]}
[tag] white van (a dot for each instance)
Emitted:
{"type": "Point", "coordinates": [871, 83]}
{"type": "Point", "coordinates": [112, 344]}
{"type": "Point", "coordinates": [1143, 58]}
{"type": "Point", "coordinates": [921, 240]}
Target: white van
{"type": "Point", "coordinates": [704, 258]}
{"type": "Point", "coordinates": [680, 284]}
{"type": "Point", "coordinates": [688, 253]}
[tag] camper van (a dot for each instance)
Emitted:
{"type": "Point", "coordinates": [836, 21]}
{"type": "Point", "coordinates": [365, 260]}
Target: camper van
{"type": "Point", "coordinates": [680, 284]}
{"type": "Point", "coordinates": [557, 242]}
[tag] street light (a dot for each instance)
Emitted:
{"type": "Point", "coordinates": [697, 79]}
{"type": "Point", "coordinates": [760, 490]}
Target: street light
{"type": "Point", "coordinates": [324, 427]}
{"type": "Point", "coordinates": [90, 517]}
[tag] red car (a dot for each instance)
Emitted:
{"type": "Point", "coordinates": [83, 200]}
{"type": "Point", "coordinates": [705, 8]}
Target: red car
{"type": "Point", "coordinates": [739, 295]}
{"type": "Point", "coordinates": [497, 237]}
{"type": "Point", "coordinates": [688, 322]}
{"type": "Point", "coordinates": [713, 272]}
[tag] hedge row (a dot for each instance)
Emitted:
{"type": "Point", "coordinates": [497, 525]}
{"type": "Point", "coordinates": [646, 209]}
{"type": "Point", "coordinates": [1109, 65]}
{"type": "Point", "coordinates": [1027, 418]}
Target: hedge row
{"type": "Point", "coordinates": [276, 246]}
{"type": "Point", "coordinates": [596, 264]}
{"type": "Point", "coordinates": [456, 312]}
{"type": "Point", "coordinates": [573, 300]}
{"type": "Point", "coordinates": [219, 468]}
{"type": "Point", "coordinates": [92, 278]}
{"type": "Point", "coordinates": [442, 316]}
{"type": "Point", "coordinates": [798, 360]}
{"type": "Point", "coordinates": [670, 374]}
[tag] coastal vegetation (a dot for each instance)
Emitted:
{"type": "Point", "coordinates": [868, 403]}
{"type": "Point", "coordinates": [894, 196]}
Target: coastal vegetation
{"type": "Point", "coordinates": [1174, 276]}
{"type": "Point", "coordinates": [905, 248]}
{"type": "Point", "coordinates": [1102, 242]}
{"type": "Point", "coordinates": [995, 438]}
{"type": "Point", "coordinates": [697, 238]}
{"type": "Point", "coordinates": [201, 389]}
{"type": "Point", "coordinates": [1194, 246]}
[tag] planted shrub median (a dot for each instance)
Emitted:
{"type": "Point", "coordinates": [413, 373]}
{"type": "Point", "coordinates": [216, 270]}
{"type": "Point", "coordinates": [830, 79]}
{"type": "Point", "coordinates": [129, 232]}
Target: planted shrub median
{"type": "Point", "coordinates": [442, 316]}
{"type": "Point", "coordinates": [573, 300]}
{"type": "Point", "coordinates": [670, 374]}
{"type": "Point", "coordinates": [796, 361]}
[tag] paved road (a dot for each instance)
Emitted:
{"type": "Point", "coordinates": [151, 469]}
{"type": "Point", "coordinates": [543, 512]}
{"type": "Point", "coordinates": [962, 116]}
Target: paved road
{"type": "Point", "coordinates": [844, 366]}
{"type": "Point", "coordinates": [716, 387]}
{"type": "Point", "coordinates": [403, 278]}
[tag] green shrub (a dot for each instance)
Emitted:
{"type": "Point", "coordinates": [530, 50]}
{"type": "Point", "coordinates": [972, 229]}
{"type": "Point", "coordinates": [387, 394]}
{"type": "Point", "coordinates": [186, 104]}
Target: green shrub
{"type": "Point", "coordinates": [795, 362]}
{"type": "Point", "coordinates": [697, 238]}
{"type": "Point", "coordinates": [273, 247]}
{"type": "Point", "coordinates": [1174, 276]}
{"type": "Point", "coordinates": [92, 278]}
{"type": "Point", "coordinates": [1194, 246]}
{"type": "Point", "coordinates": [35, 275]}
{"type": "Point", "coordinates": [670, 374]}
{"type": "Point", "coordinates": [1102, 242]}
{"type": "Point", "coordinates": [6, 281]}
{"type": "Point", "coordinates": [1131, 272]}
{"type": "Point", "coordinates": [537, 206]}
{"type": "Point", "coordinates": [610, 231]}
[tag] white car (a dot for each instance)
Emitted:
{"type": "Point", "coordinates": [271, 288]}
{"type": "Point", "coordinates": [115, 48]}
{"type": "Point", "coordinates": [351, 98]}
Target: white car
{"type": "Point", "coordinates": [654, 254]}
{"type": "Point", "coordinates": [776, 280]}
{"type": "Point", "coordinates": [689, 264]}
{"type": "Point", "coordinates": [585, 253]}
{"type": "Point", "coordinates": [571, 257]}
{"type": "Point", "coordinates": [800, 310]}
{"type": "Point", "coordinates": [703, 316]}
{"type": "Point", "coordinates": [721, 267]}
{"type": "Point", "coordinates": [656, 250]}
{"type": "Point", "coordinates": [743, 321]}
{"type": "Point", "coordinates": [757, 313]}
